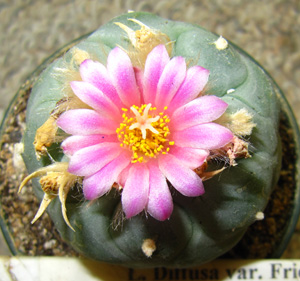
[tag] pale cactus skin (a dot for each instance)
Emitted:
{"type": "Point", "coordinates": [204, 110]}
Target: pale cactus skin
{"type": "Point", "coordinates": [202, 228]}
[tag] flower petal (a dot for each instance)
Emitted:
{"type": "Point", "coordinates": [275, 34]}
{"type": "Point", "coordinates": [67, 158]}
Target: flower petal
{"type": "Point", "coordinates": [156, 61]}
{"type": "Point", "coordinates": [170, 81]}
{"type": "Point", "coordinates": [123, 77]}
{"type": "Point", "coordinates": [93, 97]}
{"type": "Point", "coordinates": [86, 122]}
{"type": "Point", "coordinates": [96, 73]}
{"type": "Point", "coordinates": [194, 82]}
{"type": "Point", "coordinates": [160, 204]}
{"type": "Point", "coordinates": [136, 190]}
{"type": "Point", "coordinates": [74, 143]}
{"type": "Point", "coordinates": [89, 160]}
{"type": "Point", "coordinates": [201, 110]}
{"type": "Point", "coordinates": [139, 76]}
{"type": "Point", "coordinates": [186, 181]}
{"type": "Point", "coordinates": [204, 136]}
{"type": "Point", "coordinates": [124, 176]}
{"type": "Point", "coordinates": [190, 157]}
{"type": "Point", "coordinates": [101, 182]}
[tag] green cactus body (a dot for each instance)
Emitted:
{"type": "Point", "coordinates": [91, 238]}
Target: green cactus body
{"type": "Point", "coordinates": [201, 228]}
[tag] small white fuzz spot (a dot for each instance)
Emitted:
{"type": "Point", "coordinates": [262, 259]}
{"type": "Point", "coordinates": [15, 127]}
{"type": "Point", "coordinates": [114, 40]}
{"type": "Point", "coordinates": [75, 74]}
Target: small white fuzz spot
{"type": "Point", "coordinates": [259, 216]}
{"type": "Point", "coordinates": [221, 43]}
{"type": "Point", "coordinates": [148, 247]}
{"type": "Point", "coordinates": [230, 91]}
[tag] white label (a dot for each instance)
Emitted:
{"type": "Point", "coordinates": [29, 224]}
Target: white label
{"type": "Point", "coordinates": [60, 268]}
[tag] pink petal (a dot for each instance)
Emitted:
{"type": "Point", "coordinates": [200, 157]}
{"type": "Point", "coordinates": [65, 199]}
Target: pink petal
{"type": "Point", "coordinates": [160, 204]}
{"type": "Point", "coordinates": [86, 122]}
{"type": "Point", "coordinates": [74, 143]}
{"type": "Point", "coordinates": [204, 136]}
{"type": "Point", "coordinates": [101, 182]}
{"type": "Point", "coordinates": [124, 175]}
{"type": "Point", "coordinates": [123, 77]}
{"type": "Point", "coordinates": [170, 81]}
{"type": "Point", "coordinates": [190, 157]}
{"type": "Point", "coordinates": [201, 110]}
{"type": "Point", "coordinates": [136, 190]}
{"type": "Point", "coordinates": [186, 181]}
{"type": "Point", "coordinates": [194, 82]}
{"type": "Point", "coordinates": [93, 97]}
{"type": "Point", "coordinates": [96, 73]}
{"type": "Point", "coordinates": [156, 61]}
{"type": "Point", "coordinates": [139, 76]}
{"type": "Point", "coordinates": [90, 160]}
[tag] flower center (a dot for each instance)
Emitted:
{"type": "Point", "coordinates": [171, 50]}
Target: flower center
{"type": "Point", "coordinates": [145, 135]}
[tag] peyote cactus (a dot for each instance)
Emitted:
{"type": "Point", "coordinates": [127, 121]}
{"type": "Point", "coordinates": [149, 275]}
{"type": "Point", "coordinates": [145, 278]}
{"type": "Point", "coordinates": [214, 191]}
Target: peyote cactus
{"type": "Point", "coordinates": [156, 143]}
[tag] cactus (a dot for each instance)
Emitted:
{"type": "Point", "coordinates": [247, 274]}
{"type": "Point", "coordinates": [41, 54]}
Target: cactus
{"type": "Point", "coordinates": [238, 174]}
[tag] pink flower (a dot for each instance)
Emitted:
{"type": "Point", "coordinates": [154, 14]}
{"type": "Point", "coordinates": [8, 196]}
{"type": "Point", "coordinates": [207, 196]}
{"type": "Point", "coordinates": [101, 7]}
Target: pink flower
{"type": "Point", "coordinates": [142, 128]}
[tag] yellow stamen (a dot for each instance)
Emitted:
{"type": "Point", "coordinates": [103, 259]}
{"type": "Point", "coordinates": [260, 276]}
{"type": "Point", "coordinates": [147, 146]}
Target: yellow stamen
{"type": "Point", "coordinates": [145, 132]}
